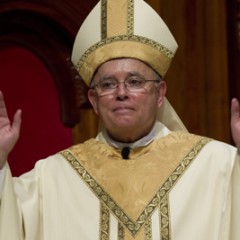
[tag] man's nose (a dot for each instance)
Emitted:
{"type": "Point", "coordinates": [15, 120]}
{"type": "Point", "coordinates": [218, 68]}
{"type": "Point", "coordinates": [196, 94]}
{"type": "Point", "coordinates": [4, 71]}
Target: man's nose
{"type": "Point", "coordinates": [121, 88]}
{"type": "Point", "coordinates": [121, 93]}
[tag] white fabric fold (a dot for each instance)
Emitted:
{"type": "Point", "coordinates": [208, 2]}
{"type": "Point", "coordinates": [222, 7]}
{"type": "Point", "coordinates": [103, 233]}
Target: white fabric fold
{"type": "Point", "coordinates": [158, 130]}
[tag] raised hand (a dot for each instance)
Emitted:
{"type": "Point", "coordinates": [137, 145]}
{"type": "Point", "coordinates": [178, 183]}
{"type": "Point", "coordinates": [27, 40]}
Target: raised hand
{"type": "Point", "coordinates": [235, 121]}
{"type": "Point", "coordinates": [9, 133]}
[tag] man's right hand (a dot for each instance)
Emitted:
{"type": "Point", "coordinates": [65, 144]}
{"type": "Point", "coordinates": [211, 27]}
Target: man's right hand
{"type": "Point", "coordinates": [9, 133]}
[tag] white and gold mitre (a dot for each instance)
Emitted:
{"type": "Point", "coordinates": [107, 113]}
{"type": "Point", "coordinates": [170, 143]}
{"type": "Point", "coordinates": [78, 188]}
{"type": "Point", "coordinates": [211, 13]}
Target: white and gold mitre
{"type": "Point", "coordinates": [122, 28]}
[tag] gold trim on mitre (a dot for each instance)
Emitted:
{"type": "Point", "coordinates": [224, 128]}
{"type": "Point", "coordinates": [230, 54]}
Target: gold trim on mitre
{"type": "Point", "coordinates": [149, 52]}
{"type": "Point", "coordinates": [115, 13]}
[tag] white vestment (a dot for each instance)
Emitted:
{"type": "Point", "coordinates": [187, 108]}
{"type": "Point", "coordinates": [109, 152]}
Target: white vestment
{"type": "Point", "coordinates": [69, 197]}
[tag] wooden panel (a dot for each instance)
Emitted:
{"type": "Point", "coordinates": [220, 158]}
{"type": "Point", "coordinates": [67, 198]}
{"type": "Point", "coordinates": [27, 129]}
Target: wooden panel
{"type": "Point", "coordinates": [198, 79]}
{"type": "Point", "coordinates": [233, 7]}
{"type": "Point", "coordinates": [216, 68]}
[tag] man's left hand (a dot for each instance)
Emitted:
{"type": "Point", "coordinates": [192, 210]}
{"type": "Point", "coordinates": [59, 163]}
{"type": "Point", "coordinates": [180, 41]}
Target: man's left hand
{"type": "Point", "coordinates": [235, 122]}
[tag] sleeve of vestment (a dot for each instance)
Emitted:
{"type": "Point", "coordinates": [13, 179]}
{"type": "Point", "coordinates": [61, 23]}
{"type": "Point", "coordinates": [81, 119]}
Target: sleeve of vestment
{"type": "Point", "coordinates": [20, 206]}
{"type": "Point", "coordinates": [235, 201]}
{"type": "Point", "coordinates": [2, 176]}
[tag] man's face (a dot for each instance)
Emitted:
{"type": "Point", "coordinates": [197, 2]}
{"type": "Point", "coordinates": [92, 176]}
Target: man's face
{"type": "Point", "coordinates": [125, 112]}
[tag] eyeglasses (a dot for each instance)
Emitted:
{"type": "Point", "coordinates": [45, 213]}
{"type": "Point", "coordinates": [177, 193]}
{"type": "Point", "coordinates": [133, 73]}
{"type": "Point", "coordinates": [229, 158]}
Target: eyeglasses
{"type": "Point", "coordinates": [109, 86]}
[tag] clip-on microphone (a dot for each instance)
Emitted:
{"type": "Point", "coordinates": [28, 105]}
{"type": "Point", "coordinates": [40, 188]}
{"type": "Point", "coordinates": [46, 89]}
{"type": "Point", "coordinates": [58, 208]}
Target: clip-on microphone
{"type": "Point", "coordinates": [125, 152]}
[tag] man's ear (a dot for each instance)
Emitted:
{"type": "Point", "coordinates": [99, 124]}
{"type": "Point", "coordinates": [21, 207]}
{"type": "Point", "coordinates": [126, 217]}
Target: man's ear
{"type": "Point", "coordinates": [92, 99]}
{"type": "Point", "coordinates": [162, 89]}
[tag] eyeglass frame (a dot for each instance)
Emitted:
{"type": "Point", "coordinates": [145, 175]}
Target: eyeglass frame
{"type": "Point", "coordinates": [96, 85]}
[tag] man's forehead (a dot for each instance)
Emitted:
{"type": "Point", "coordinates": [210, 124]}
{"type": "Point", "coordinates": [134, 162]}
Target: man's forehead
{"type": "Point", "coordinates": [127, 74]}
{"type": "Point", "coordinates": [126, 64]}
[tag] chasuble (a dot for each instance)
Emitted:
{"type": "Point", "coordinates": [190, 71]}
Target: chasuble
{"type": "Point", "coordinates": [179, 187]}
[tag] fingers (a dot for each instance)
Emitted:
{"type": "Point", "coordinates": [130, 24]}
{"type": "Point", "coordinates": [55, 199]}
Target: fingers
{"type": "Point", "coordinates": [2, 105]}
{"type": "Point", "coordinates": [235, 122]}
{"type": "Point", "coordinates": [235, 110]}
{"type": "Point", "coordinates": [16, 124]}
{"type": "Point", "coordinates": [17, 120]}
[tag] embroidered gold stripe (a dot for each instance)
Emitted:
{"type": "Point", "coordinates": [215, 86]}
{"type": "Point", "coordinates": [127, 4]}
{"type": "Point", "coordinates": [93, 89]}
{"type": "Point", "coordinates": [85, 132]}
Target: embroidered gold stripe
{"type": "Point", "coordinates": [104, 19]}
{"type": "Point", "coordinates": [104, 222]}
{"type": "Point", "coordinates": [164, 219]}
{"type": "Point", "coordinates": [132, 38]}
{"type": "Point", "coordinates": [117, 17]}
{"type": "Point", "coordinates": [120, 231]}
{"type": "Point", "coordinates": [145, 235]}
{"type": "Point", "coordinates": [148, 229]}
{"type": "Point", "coordinates": [159, 199]}
{"type": "Point", "coordinates": [130, 23]}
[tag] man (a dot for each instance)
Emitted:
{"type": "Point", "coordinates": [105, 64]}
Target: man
{"type": "Point", "coordinates": [140, 178]}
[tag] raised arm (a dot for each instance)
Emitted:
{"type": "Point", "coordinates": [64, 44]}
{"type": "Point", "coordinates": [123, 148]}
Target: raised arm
{"type": "Point", "coordinates": [9, 132]}
{"type": "Point", "coordinates": [235, 122]}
